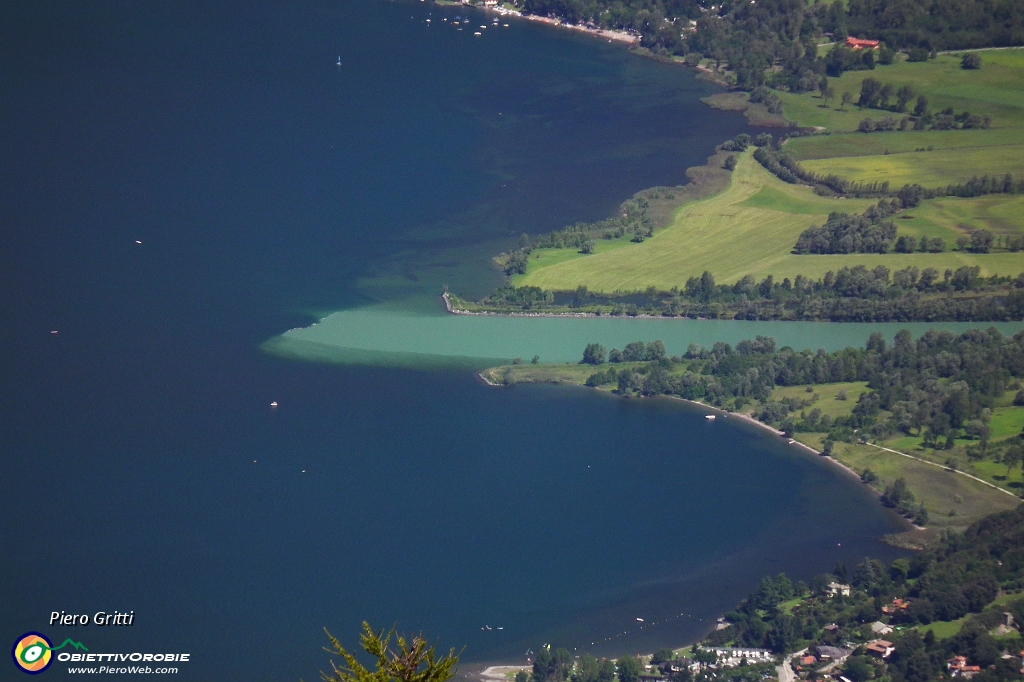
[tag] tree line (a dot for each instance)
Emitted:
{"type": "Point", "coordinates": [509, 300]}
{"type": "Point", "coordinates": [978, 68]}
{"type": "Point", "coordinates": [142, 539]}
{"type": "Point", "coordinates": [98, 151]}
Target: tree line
{"type": "Point", "coordinates": [941, 387]}
{"type": "Point", "coordinates": [856, 294]}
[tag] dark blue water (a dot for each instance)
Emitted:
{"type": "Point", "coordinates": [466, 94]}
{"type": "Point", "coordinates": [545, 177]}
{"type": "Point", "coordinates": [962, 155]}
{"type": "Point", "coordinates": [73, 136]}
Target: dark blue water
{"type": "Point", "coordinates": [141, 466]}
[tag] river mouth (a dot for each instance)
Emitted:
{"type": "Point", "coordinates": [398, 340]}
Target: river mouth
{"type": "Point", "coordinates": [415, 338]}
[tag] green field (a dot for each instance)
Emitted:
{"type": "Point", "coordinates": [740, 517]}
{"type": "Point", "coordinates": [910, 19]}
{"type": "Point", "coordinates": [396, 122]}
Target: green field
{"type": "Point", "coordinates": [997, 89]}
{"type": "Point", "coordinates": [949, 217]}
{"type": "Point", "coordinates": [1006, 422]}
{"type": "Point", "coordinates": [929, 169]}
{"type": "Point", "coordinates": [749, 228]}
{"type": "Point", "coordinates": [943, 629]}
{"type": "Point", "coordinates": [876, 144]}
{"type": "Point", "coordinates": [930, 158]}
{"type": "Point", "coordinates": [939, 489]}
{"type": "Point", "coordinates": [826, 402]}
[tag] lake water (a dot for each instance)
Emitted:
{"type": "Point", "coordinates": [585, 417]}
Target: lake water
{"type": "Point", "coordinates": [181, 183]}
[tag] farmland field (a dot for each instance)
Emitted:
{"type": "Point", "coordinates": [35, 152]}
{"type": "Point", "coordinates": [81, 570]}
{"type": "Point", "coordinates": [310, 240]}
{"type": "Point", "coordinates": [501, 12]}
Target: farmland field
{"type": "Point", "coordinates": [749, 228]}
{"type": "Point", "coordinates": [928, 169]}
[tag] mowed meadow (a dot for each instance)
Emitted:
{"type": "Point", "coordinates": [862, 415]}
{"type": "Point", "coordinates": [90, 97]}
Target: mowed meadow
{"type": "Point", "coordinates": [750, 227]}
{"type": "Point", "coordinates": [931, 158]}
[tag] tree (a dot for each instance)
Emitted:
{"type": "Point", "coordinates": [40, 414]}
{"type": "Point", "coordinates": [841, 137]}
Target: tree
{"type": "Point", "coordinates": [635, 351]}
{"type": "Point", "coordinates": [870, 90]}
{"type": "Point", "coordinates": [970, 60]}
{"type": "Point", "coordinates": [981, 241]}
{"type": "Point", "coordinates": [413, 661]}
{"type": "Point", "coordinates": [629, 669]}
{"type": "Point", "coordinates": [828, 94]}
{"type": "Point", "coordinates": [845, 99]}
{"type": "Point", "coordinates": [655, 350]}
{"type": "Point", "coordinates": [662, 655]}
{"type": "Point", "coordinates": [884, 94]}
{"type": "Point", "coordinates": [594, 354]}
{"type": "Point", "coordinates": [730, 162]}
{"type": "Point", "coordinates": [1013, 456]}
{"type": "Point", "coordinates": [921, 108]}
{"type": "Point", "coordinates": [859, 668]}
{"type": "Point", "coordinates": [903, 97]}
{"type": "Point", "coordinates": [705, 656]}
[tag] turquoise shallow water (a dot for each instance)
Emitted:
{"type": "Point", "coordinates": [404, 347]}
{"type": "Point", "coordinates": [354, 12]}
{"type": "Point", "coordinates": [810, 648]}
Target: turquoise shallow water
{"type": "Point", "coordinates": [386, 336]}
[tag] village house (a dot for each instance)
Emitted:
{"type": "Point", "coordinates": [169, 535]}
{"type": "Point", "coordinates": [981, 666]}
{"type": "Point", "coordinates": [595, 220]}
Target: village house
{"type": "Point", "coordinates": [859, 44]}
{"type": "Point", "coordinates": [880, 628]}
{"type": "Point", "coordinates": [897, 605]}
{"type": "Point", "coordinates": [880, 648]}
{"type": "Point", "coordinates": [834, 589]}
{"type": "Point", "coordinates": [958, 667]}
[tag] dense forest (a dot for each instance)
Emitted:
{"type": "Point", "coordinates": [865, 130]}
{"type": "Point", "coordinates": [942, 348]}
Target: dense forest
{"type": "Point", "coordinates": [751, 37]}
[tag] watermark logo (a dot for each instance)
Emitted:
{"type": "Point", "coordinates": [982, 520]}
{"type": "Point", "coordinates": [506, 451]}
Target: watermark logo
{"type": "Point", "coordinates": [33, 652]}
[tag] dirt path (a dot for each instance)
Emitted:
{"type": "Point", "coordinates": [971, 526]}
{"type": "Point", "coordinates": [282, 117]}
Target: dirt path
{"type": "Point", "coordinates": [955, 471]}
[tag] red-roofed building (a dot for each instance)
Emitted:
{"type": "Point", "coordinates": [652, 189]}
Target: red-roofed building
{"type": "Point", "coordinates": [879, 648]}
{"type": "Point", "coordinates": [858, 44]}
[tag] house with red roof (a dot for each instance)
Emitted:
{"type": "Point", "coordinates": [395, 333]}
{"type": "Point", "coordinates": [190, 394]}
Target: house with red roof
{"type": "Point", "coordinates": [860, 44]}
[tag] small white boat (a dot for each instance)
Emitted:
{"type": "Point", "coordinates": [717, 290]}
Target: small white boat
{"type": "Point", "coordinates": [273, 404]}
{"type": "Point", "coordinates": [339, 60]}
{"type": "Point", "coordinates": [478, 33]}
{"type": "Point", "coordinates": [709, 416]}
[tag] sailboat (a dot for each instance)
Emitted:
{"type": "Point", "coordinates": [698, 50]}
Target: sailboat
{"type": "Point", "coordinates": [339, 60]}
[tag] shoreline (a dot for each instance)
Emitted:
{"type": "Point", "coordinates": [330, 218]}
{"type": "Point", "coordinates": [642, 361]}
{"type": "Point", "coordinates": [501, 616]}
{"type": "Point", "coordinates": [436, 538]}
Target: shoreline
{"type": "Point", "coordinates": [451, 309]}
{"type": "Point", "coordinates": [747, 418]}
{"type": "Point", "coordinates": [607, 34]}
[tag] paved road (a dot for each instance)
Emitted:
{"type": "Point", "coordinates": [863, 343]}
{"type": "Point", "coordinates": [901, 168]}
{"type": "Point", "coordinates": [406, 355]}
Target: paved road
{"type": "Point", "coordinates": [785, 670]}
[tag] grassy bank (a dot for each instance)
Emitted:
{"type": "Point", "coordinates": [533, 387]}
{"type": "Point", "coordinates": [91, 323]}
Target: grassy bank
{"type": "Point", "coordinates": [748, 228]}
